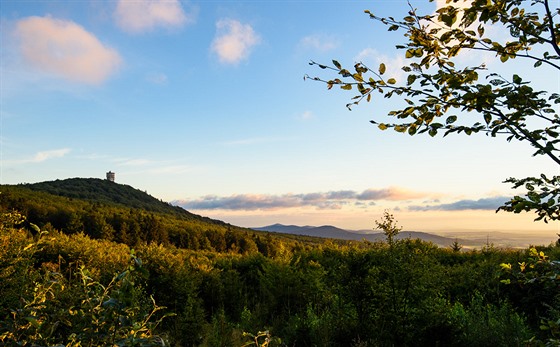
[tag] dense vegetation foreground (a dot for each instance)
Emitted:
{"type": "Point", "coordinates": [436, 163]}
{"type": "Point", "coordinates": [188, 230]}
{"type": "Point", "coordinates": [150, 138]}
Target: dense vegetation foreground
{"type": "Point", "coordinates": [61, 288]}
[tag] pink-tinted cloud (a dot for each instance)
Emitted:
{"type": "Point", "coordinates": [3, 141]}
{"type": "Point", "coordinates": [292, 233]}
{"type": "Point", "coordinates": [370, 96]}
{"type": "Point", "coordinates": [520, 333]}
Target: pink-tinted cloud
{"type": "Point", "coordinates": [65, 49]}
{"type": "Point", "coordinates": [234, 41]}
{"type": "Point", "coordinates": [138, 16]}
{"type": "Point", "coordinates": [391, 193]}
{"type": "Point", "coordinates": [330, 200]}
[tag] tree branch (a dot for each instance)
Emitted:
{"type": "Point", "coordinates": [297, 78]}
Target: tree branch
{"type": "Point", "coordinates": [551, 28]}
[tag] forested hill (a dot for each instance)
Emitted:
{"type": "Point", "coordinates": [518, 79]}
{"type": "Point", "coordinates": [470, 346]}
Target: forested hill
{"type": "Point", "coordinates": [99, 191]}
{"type": "Point", "coordinates": [104, 191]}
{"type": "Point", "coordinates": [107, 210]}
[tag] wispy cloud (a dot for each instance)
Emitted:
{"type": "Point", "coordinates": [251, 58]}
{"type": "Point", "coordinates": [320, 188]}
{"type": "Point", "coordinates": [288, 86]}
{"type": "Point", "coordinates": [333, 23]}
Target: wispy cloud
{"type": "Point", "coordinates": [392, 193]}
{"type": "Point", "coordinates": [481, 204]}
{"type": "Point", "coordinates": [234, 41]}
{"type": "Point", "coordinates": [320, 43]}
{"type": "Point", "coordinates": [40, 157]}
{"type": "Point", "coordinates": [321, 200]}
{"type": "Point", "coordinates": [65, 49]}
{"type": "Point", "coordinates": [140, 16]}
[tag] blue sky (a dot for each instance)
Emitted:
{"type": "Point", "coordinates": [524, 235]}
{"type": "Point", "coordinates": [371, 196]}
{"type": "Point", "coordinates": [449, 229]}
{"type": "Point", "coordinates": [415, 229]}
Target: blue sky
{"type": "Point", "coordinates": [203, 104]}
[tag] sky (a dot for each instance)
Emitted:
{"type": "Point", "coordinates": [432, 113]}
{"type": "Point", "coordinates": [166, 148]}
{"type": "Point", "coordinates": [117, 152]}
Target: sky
{"type": "Point", "coordinates": [203, 104]}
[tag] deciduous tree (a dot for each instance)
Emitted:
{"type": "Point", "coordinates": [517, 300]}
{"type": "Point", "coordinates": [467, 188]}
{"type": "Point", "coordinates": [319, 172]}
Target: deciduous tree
{"type": "Point", "coordinates": [443, 97]}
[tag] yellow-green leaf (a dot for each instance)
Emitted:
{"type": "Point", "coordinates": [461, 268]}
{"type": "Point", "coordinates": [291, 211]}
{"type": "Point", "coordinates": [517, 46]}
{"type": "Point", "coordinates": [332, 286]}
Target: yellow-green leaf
{"type": "Point", "coordinates": [391, 81]}
{"type": "Point", "coordinates": [358, 77]}
{"type": "Point", "coordinates": [382, 68]}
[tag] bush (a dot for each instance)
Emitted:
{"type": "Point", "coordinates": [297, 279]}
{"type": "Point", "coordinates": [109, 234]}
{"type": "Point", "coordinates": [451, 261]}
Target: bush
{"type": "Point", "coordinates": [75, 311]}
{"type": "Point", "coordinates": [483, 324]}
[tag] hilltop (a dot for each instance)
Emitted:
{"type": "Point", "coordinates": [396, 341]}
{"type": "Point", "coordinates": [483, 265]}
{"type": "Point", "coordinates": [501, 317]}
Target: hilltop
{"type": "Point", "coordinates": [106, 192]}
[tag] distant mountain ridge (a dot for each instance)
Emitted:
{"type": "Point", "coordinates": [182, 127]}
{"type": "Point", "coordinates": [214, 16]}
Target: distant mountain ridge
{"type": "Point", "coordinates": [467, 240]}
{"type": "Point", "coordinates": [329, 231]}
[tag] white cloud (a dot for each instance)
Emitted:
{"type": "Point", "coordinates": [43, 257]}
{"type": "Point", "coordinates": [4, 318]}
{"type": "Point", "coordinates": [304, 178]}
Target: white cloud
{"type": "Point", "coordinates": [234, 41]}
{"type": "Point", "coordinates": [46, 155]}
{"type": "Point", "coordinates": [138, 16]}
{"type": "Point", "coordinates": [319, 42]}
{"type": "Point", "coordinates": [65, 49]}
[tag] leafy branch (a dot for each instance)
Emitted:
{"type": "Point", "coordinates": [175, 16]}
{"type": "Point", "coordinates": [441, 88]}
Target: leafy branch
{"type": "Point", "coordinates": [438, 95]}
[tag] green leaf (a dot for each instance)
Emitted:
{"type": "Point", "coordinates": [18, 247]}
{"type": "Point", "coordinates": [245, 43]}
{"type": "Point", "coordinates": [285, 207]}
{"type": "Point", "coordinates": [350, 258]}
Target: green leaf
{"type": "Point", "coordinates": [480, 30]}
{"type": "Point", "coordinates": [410, 79]}
{"type": "Point", "coordinates": [382, 68]}
{"type": "Point", "coordinates": [409, 19]}
{"type": "Point", "coordinates": [451, 119]}
{"type": "Point", "coordinates": [432, 132]}
{"type": "Point", "coordinates": [412, 130]}
{"type": "Point", "coordinates": [33, 321]}
{"type": "Point", "coordinates": [517, 79]}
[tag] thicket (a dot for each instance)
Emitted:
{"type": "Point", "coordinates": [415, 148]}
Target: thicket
{"type": "Point", "coordinates": [73, 290]}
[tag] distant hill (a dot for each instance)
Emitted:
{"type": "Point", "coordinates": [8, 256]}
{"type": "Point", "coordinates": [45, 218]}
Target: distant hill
{"type": "Point", "coordinates": [329, 231]}
{"type": "Point", "coordinates": [468, 240]}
